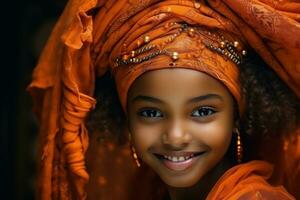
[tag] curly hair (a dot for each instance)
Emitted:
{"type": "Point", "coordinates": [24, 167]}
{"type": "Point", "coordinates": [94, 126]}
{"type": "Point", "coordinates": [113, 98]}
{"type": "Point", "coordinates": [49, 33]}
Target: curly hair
{"type": "Point", "coordinates": [272, 109]}
{"type": "Point", "coordinates": [108, 118]}
{"type": "Point", "coordinates": [269, 103]}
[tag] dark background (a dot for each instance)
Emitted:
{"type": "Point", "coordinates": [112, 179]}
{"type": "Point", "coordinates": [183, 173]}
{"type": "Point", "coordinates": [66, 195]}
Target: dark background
{"type": "Point", "coordinates": [25, 27]}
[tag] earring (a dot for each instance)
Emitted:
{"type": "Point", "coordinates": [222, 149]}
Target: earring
{"type": "Point", "coordinates": [133, 152]}
{"type": "Point", "coordinates": [239, 147]}
{"type": "Point", "coordinates": [136, 159]}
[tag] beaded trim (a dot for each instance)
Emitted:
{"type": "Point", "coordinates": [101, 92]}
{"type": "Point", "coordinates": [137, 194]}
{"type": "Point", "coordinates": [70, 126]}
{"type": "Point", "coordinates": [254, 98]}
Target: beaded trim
{"type": "Point", "coordinates": [217, 43]}
{"type": "Point", "coordinates": [226, 48]}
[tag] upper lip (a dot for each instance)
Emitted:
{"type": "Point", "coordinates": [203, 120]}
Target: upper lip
{"type": "Point", "coordinates": [178, 153]}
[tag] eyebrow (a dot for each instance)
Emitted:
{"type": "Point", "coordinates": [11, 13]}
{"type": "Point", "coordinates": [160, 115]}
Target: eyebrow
{"type": "Point", "coordinates": [193, 100]}
{"type": "Point", "coordinates": [205, 97]}
{"type": "Point", "coordinates": [147, 98]}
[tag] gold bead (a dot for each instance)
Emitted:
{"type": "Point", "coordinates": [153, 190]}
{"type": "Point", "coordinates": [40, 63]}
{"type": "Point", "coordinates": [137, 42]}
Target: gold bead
{"type": "Point", "coordinates": [138, 43]}
{"type": "Point", "coordinates": [146, 39]}
{"type": "Point", "coordinates": [191, 32]}
{"type": "Point", "coordinates": [222, 44]}
{"type": "Point", "coordinates": [167, 25]}
{"type": "Point", "coordinates": [236, 44]}
{"type": "Point", "coordinates": [132, 54]}
{"type": "Point", "coordinates": [175, 55]}
{"type": "Point", "coordinates": [137, 163]}
{"type": "Point", "coordinates": [125, 57]}
{"type": "Point", "coordinates": [244, 52]}
{"type": "Point", "coordinates": [197, 5]}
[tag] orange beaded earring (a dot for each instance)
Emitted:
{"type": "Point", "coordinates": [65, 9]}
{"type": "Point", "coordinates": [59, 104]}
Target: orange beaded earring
{"type": "Point", "coordinates": [136, 159]}
{"type": "Point", "coordinates": [239, 147]}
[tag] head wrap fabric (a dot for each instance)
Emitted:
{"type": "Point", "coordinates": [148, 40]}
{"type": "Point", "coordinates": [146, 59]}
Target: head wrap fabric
{"type": "Point", "coordinates": [84, 43]}
{"type": "Point", "coordinates": [192, 54]}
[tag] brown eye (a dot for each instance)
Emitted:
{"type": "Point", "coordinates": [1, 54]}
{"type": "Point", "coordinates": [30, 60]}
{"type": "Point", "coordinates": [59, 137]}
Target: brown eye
{"type": "Point", "coordinates": [203, 112]}
{"type": "Point", "coordinates": [150, 113]}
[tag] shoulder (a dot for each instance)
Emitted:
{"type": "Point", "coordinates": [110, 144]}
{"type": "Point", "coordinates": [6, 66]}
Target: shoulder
{"type": "Point", "coordinates": [261, 192]}
{"type": "Point", "coordinates": [248, 181]}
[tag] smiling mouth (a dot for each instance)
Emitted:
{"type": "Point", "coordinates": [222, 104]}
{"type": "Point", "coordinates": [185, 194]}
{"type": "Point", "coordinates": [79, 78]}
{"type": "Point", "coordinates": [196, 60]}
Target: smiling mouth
{"type": "Point", "coordinates": [179, 163]}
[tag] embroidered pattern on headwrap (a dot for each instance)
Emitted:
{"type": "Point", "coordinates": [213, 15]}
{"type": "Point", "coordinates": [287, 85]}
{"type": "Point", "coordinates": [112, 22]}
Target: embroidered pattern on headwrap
{"type": "Point", "coordinates": [216, 43]}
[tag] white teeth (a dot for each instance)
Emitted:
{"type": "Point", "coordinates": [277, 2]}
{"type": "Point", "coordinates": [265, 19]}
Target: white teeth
{"type": "Point", "coordinates": [181, 158]}
{"type": "Point", "coordinates": [177, 159]}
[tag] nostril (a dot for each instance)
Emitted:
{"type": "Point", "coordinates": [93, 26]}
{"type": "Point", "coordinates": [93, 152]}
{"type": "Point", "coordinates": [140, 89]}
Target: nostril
{"type": "Point", "coordinates": [174, 144]}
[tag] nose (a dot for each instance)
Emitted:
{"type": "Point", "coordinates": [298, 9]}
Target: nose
{"type": "Point", "coordinates": [176, 136]}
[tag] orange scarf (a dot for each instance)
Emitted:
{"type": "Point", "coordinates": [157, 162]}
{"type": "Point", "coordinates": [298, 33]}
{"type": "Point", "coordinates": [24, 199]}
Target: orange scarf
{"type": "Point", "coordinates": [247, 181]}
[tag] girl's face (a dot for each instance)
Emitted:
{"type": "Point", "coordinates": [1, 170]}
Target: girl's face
{"type": "Point", "coordinates": [181, 123]}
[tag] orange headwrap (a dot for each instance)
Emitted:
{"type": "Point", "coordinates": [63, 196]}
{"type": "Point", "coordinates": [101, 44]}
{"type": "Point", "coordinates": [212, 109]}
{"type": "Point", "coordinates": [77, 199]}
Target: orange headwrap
{"type": "Point", "coordinates": [172, 47]}
{"type": "Point", "coordinates": [89, 37]}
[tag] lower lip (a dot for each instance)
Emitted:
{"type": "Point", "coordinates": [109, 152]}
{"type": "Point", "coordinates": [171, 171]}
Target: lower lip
{"type": "Point", "coordinates": [180, 166]}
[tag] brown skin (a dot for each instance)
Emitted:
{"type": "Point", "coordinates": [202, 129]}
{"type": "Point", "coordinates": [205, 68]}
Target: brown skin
{"type": "Point", "coordinates": [171, 111]}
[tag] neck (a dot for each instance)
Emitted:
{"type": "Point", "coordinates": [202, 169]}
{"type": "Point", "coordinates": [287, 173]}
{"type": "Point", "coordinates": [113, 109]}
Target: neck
{"type": "Point", "coordinates": [201, 189]}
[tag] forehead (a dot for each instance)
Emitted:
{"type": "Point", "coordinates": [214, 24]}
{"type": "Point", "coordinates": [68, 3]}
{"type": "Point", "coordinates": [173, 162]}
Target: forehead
{"type": "Point", "coordinates": [176, 82]}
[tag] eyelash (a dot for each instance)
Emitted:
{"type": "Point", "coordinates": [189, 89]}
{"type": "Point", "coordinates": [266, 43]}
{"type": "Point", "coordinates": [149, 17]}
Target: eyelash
{"type": "Point", "coordinates": [152, 113]}
{"type": "Point", "coordinates": [204, 111]}
{"type": "Point", "coordinates": [144, 113]}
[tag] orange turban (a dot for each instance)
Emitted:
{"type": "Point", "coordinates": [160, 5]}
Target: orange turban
{"type": "Point", "coordinates": [91, 34]}
{"type": "Point", "coordinates": [176, 46]}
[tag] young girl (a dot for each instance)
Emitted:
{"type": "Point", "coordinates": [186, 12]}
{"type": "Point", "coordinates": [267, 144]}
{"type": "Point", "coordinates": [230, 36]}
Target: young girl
{"type": "Point", "coordinates": [199, 106]}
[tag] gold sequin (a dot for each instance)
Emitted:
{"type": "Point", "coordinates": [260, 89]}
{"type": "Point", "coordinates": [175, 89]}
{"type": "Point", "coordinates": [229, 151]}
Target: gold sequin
{"type": "Point", "coordinates": [244, 52]}
{"type": "Point", "coordinates": [175, 55]}
{"type": "Point", "coordinates": [191, 32]}
{"type": "Point", "coordinates": [222, 44]}
{"type": "Point", "coordinates": [146, 39]}
{"type": "Point", "coordinates": [132, 54]}
{"type": "Point", "coordinates": [236, 44]}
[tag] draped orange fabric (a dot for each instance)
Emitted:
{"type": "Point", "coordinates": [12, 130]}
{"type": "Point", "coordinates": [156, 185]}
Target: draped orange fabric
{"type": "Point", "coordinates": [247, 181]}
{"type": "Point", "coordinates": [89, 36]}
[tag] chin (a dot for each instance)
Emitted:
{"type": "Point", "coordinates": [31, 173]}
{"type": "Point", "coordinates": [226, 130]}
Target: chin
{"type": "Point", "coordinates": [177, 184]}
{"type": "Point", "coordinates": [180, 180]}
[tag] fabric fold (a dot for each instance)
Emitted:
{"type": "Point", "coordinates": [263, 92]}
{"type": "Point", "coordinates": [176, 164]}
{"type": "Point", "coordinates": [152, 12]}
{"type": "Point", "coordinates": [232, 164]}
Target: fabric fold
{"type": "Point", "coordinates": [248, 181]}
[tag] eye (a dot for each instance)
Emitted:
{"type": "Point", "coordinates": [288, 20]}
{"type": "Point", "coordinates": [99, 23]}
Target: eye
{"type": "Point", "coordinates": [150, 113]}
{"type": "Point", "coordinates": [203, 112]}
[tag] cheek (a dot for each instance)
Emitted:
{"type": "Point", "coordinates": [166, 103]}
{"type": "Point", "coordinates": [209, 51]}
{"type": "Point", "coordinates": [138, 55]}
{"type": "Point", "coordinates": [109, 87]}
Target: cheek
{"type": "Point", "coordinates": [144, 136]}
{"type": "Point", "coordinates": [216, 134]}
